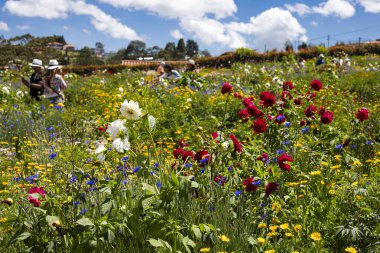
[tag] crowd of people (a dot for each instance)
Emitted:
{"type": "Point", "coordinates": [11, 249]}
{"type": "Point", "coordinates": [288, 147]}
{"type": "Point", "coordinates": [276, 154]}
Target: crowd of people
{"type": "Point", "coordinates": [46, 81]}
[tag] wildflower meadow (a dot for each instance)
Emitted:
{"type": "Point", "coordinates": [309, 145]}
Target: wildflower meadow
{"type": "Point", "coordinates": [254, 158]}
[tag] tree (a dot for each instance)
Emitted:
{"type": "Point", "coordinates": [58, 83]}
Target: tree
{"type": "Point", "coordinates": [288, 46]}
{"type": "Point", "coordinates": [181, 49]}
{"type": "Point", "coordinates": [86, 57]}
{"type": "Point", "coordinates": [99, 45]}
{"type": "Point", "coordinates": [205, 53]}
{"type": "Point", "coordinates": [191, 48]}
{"type": "Point", "coordinates": [135, 49]}
{"type": "Point", "coordinates": [302, 46]}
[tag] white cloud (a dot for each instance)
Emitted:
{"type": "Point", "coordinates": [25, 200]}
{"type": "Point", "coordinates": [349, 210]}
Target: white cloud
{"type": "Point", "coordinates": [299, 8]}
{"type": "Point", "coordinates": [86, 31]}
{"type": "Point", "coordinates": [23, 27]}
{"type": "Point", "coordinates": [340, 8]}
{"type": "Point", "coordinates": [314, 23]}
{"type": "Point", "coordinates": [179, 8]}
{"type": "Point", "coordinates": [371, 5]}
{"type": "Point", "coordinates": [4, 27]}
{"type": "Point", "coordinates": [176, 34]}
{"type": "Point", "coordinates": [65, 27]}
{"type": "Point", "coordinates": [272, 28]}
{"type": "Point", "coordinates": [62, 8]}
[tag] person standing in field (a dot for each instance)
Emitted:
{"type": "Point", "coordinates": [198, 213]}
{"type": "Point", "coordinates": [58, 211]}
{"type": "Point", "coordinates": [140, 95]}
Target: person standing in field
{"type": "Point", "coordinates": [54, 83]}
{"type": "Point", "coordinates": [36, 83]}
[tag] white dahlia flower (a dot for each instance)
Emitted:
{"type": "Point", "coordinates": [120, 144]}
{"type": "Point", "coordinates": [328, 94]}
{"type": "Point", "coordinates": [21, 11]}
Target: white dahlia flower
{"type": "Point", "coordinates": [121, 145]}
{"type": "Point", "coordinates": [117, 129]}
{"type": "Point", "coordinates": [130, 110]}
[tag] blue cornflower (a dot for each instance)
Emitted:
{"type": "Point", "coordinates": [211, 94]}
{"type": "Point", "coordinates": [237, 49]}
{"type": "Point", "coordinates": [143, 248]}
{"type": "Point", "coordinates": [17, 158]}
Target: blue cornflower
{"type": "Point", "coordinates": [339, 146]}
{"type": "Point", "coordinates": [92, 181]}
{"type": "Point", "coordinates": [52, 135]}
{"type": "Point", "coordinates": [230, 168]}
{"type": "Point", "coordinates": [287, 124]}
{"type": "Point", "coordinates": [50, 128]}
{"type": "Point", "coordinates": [136, 169]}
{"type": "Point", "coordinates": [258, 182]}
{"type": "Point", "coordinates": [203, 160]}
{"type": "Point", "coordinates": [152, 172]}
{"type": "Point", "coordinates": [155, 165]}
{"type": "Point", "coordinates": [279, 118]}
{"type": "Point", "coordinates": [305, 130]}
{"type": "Point", "coordinates": [238, 192]}
{"type": "Point", "coordinates": [202, 171]}
{"type": "Point", "coordinates": [17, 179]}
{"type": "Point", "coordinates": [263, 205]}
{"type": "Point", "coordinates": [159, 185]}
{"type": "Point", "coordinates": [75, 203]}
{"type": "Point", "coordinates": [274, 160]}
{"type": "Point", "coordinates": [369, 142]}
{"type": "Point", "coordinates": [286, 142]}
{"type": "Point", "coordinates": [125, 158]}
{"type": "Point", "coordinates": [31, 178]}
{"type": "Point", "coordinates": [353, 146]}
{"type": "Point", "coordinates": [188, 165]}
{"type": "Point", "coordinates": [83, 211]}
{"type": "Point", "coordinates": [73, 179]}
{"type": "Point", "coordinates": [52, 155]}
{"type": "Point", "coordinates": [280, 151]}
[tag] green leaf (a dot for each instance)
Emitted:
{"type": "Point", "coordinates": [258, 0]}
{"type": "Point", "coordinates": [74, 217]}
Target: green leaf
{"type": "Point", "coordinates": [51, 219]}
{"type": "Point", "coordinates": [252, 241]}
{"type": "Point", "coordinates": [85, 222]}
{"type": "Point", "coordinates": [110, 235]}
{"type": "Point", "coordinates": [151, 190]}
{"type": "Point", "coordinates": [197, 232]}
{"type": "Point", "coordinates": [175, 179]}
{"type": "Point", "coordinates": [23, 236]}
{"type": "Point", "coordinates": [194, 184]}
{"type": "Point", "coordinates": [106, 207]}
{"type": "Point", "coordinates": [106, 190]}
{"type": "Point", "coordinates": [155, 243]}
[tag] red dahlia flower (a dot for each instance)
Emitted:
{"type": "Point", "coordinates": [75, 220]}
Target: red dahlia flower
{"type": "Point", "coordinates": [250, 185]}
{"type": "Point", "coordinates": [259, 126]}
{"type": "Point", "coordinates": [244, 115]}
{"type": "Point", "coordinates": [181, 143]}
{"type": "Point", "coordinates": [186, 154]}
{"type": "Point", "coordinates": [282, 159]}
{"type": "Point", "coordinates": [271, 187]}
{"type": "Point", "coordinates": [247, 102]}
{"type": "Point", "coordinates": [254, 112]}
{"type": "Point", "coordinates": [316, 85]}
{"type": "Point", "coordinates": [327, 117]}
{"type": "Point", "coordinates": [267, 98]}
{"type": "Point", "coordinates": [309, 111]}
{"type": "Point", "coordinates": [287, 86]}
{"type": "Point", "coordinates": [297, 101]}
{"type": "Point", "coordinates": [178, 152]}
{"type": "Point", "coordinates": [237, 95]}
{"type": "Point", "coordinates": [237, 145]}
{"type": "Point", "coordinates": [362, 114]}
{"type": "Point", "coordinates": [103, 129]}
{"type": "Point", "coordinates": [226, 88]}
{"type": "Point", "coordinates": [33, 197]}
{"type": "Point", "coordinates": [220, 180]}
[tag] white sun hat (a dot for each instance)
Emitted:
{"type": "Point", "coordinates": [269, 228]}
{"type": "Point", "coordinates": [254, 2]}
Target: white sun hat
{"type": "Point", "coordinates": [36, 63]}
{"type": "Point", "coordinates": [53, 64]}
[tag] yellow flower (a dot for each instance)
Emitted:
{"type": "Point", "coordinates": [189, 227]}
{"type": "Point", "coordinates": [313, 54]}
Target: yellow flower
{"type": "Point", "coordinates": [323, 163]}
{"type": "Point", "coordinates": [315, 173]}
{"type": "Point", "coordinates": [205, 250]}
{"type": "Point", "coordinates": [296, 252]}
{"type": "Point", "coordinates": [224, 238]}
{"type": "Point", "coordinates": [274, 220]}
{"type": "Point", "coordinates": [338, 157]}
{"type": "Point", "coordinates": [284, 226]}
{"type": "Point", "coordinates": [262, 225]}
{"type": "Point", "coordinates": [3, 220]}
{"type": "Point", "coordinates": [335, 167]}
{"type": "Point", "coordinates": [261, 240]}
{"type": "Point", "coordinates": [316, 236]}
{"type": "Point", "coordinates": [273, 228]}
{"type": "Point", "coordinates": [288, 234]}
{"type": "Point", "coordinates": [270, 251]}
{"type": "Point", "coordinates": [276, 206]}
{"type": "Point", "coordinates": [271, 234]}
{"type": "Point", "coordinates": [350, 250]}
{"type": "Point", "coordinates": [357, 163]}
{"type": "Point", "coordinates": [297, 227]}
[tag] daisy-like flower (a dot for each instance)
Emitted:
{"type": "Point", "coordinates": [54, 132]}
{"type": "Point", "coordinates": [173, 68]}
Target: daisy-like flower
{"type": "Point", "coordinates": [121, 144]}
{"type": "Point", "coordinates": [224, 238]}
{"type": "Point", "coordinates": [130, 110]}
{"type": "Point", "coordinates": [117, 129]}
{"type": "Point", "coordinates": [261, 240]}
{"type": "Point", "coordinates": [316, 236]}
{"type": "Point", "coordinates": [350, 250]}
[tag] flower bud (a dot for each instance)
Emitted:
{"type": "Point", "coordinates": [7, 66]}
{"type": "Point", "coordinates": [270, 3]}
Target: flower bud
{"type": "Point", "coordinates": [8, 201]}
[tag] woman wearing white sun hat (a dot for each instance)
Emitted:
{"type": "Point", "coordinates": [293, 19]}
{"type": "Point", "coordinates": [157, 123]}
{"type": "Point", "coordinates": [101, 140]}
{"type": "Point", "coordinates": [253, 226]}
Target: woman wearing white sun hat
{"type": "Point", "coordinates": [55, 84]}
{"type": "Point", "coordinates": [36, 84]}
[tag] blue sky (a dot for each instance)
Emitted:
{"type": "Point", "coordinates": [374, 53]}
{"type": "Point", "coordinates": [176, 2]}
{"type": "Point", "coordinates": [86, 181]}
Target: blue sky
{"type": "Point", "coordinates": [217, 25]}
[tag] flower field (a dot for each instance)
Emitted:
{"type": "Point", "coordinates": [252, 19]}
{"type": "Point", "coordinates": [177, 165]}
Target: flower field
{"type": "Point", "coordinates": [256, 158]}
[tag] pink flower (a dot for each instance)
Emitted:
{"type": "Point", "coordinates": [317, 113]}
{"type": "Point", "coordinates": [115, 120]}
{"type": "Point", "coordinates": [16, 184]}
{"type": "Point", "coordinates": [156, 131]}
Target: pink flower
{"type": "Point", "coordinates": [226, 88]}
{"type": "Point", "coordinates": [237, 145]}
{"type": "Point", "coordinates": [362, 114]}
{"type": "Point", "coordinates": [33, 195]}
{"type": "Point", "coordinates": [282, 159]}
{"type": "Point", "coordinates": [327, 117]}
{"type": "Point", "coordinates": [316, 85]}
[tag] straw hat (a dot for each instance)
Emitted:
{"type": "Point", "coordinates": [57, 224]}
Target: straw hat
{"type": "Point", "coordinates": [53, 64]}
{"type": "Point", "coordinates": [36, 63]}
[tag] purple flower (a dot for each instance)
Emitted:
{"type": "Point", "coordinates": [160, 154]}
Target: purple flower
{"type": "Point", "coordinates": [136, 169]}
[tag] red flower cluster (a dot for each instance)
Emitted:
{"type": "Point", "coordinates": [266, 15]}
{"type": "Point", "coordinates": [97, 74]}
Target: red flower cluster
{"type": "Point", "coordinates": [249, 184]}
{"type": "Point", "coordinates": [287, 85]}
{"type": "Point", "coordinates": [297, 101]}
{"type": "Point", "coordinates": [309, 111]}
{"type": "Point", "coordinates": [316, 85]}
{"type": "Point", "coordinates": [362, 114]}
{"type": "Point", "coordinates": [237, 95]}
{"type": "Point", "coordinates": [327, 117]}
{"type": "Point", "coordinates": [282, 159]}
{"type": "Point", "coordinates": [32, 198]}
{"type": "Point", "coordinates": [226, 88]}
{"type": "Point", "coordinates": [254, 112]}
{"type": "Point", "coordinates": [103, 129]}
{"type": "Point", "coordinates": [244, 115]}
{"type": "Point", "coordinates": [185, 154]}
{"type": "Point", "coordinates": [237, 145]}
{"type": "Point", "coordinates": [267, 98]}
{"type": "Point", "coordinates": [247, 102]}
{"type": "Point", "coordinates": [259, 126]}
{"type": "Point", "coordinates": [181, 143]}
{"type": "Point", "coordinates": [270, 188]}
